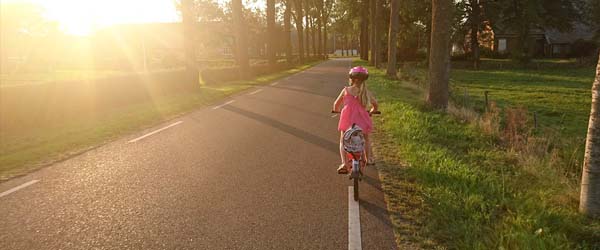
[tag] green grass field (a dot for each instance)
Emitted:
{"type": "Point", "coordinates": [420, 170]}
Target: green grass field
{"type": "Point", "coordinates": [561, 97]}
{"type": "Point", "coordinates": [450, 185]}
{"type": "Point", "coordinates": [25, 151]}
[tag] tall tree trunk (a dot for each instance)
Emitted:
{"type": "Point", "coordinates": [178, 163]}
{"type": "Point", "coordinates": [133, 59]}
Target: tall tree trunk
{"type": "Point", "coordinates": [288, 31]}
{"type": "Point", "coordinates": [271, 40]}
{"type": "Point", "coordinates": [188, 34]}
{"type": "Point", "coordinates": [392, 37]}
{"type": "Point", "coordinates": [373, 23]}
{"type": "Point", "coordinates": [589, 203]}
{"type": "Point", "coordinates": [346, 46]}
{"type": "Point", "coordinates": [307, 31]}
{"type": "Point", "coordinates": [522, 48]}
{"type": "Point", "coordinates": [428, 35]}
{"type": "Point", "coordinates": [241, 38]}
{"type": "Point", "coordinates": [343, 49]}
{"type": "Point", "coordinates": [475, 20]}
{"type": "Point", "coordinates": [313, 35]}
{"type": "Point", "coordinates": [364, 30]}
{"type": "Point", "coordinates": [320, 34]}
{"type": "Point", "coordinates": [325, 12]}
{"type": "Point", "coordinates": [325, 39]}
{"type": "Point", "coordinates": [299, 28]}
{"type": "Point", "coordinates": [439, 58]}
{"type": "Point", "coordinates": [319, 5]}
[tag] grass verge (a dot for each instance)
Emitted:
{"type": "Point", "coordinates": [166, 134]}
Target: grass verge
{"type": "Point", "coordinates": [450, 185]}
{"type": "Point", "coordinates": [23, 152]}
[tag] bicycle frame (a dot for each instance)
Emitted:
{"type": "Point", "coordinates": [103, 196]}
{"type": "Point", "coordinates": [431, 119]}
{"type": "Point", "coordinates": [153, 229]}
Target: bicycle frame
{"type": "Point", "coordinates": [357, 164]}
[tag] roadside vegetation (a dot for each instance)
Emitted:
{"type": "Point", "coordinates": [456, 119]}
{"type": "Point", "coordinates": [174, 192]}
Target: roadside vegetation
{"type": "Point", "coordinates": [470, 179]}
{"type": "Point", "coordinates": [59, 134]}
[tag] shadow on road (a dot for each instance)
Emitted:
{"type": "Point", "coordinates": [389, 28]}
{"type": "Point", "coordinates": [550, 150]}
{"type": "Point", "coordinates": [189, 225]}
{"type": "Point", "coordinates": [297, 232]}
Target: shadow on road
{"type": "Point", "coordinates": [310, 138]}
{"type": "Point", "coordinates": [300, 109]}
{"type": "Point", "coordinates": [380, 213]}
{"type": "Point", "coordinates": [374, 182]}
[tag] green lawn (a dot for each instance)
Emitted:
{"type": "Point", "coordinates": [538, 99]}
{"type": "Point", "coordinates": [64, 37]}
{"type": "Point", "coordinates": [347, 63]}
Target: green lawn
{"type": "Point", "coordinates": [450, 185]}
{"type": "Point", "coordinates": [561, 97]}
{"type": "Point", "coordinates": [24, 151]}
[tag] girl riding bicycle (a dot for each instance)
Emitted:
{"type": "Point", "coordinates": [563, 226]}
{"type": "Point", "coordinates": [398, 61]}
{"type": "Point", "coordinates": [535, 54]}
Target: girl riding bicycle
{"type": "Point", "coordinates": [356, 99]}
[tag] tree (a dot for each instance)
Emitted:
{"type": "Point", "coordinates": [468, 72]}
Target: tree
{"type": "Point", "coordinates": [189, 22]}
{"type": "Point", "coordinates": [364, 30]}
{"type": "Point", "coordinates": [592, 15]}
{"type": "Point", "coordinates": [271, 40]}
{"type": "Point", "coordinates": [319, 5]}
{"type": "Point", "coordinates": [373, 34]}
{"type": "Point", "coordinates": [376, 34]}
{"type": "Point", "coordinates": [393, 34]}
{"type": "Point", "coordinates": [298, 18]}
{"type": "Point", "coordinates": [326, 11]}
{"type": "Point", "coordinates": [241, 36]}
{"type": "Point", "coordinates": [439, 57]}
{"type": "Point", "coordinates": [475, 21]}
{"type": "Point", "coordinates": [288, 30]}
{"type": "Point", "coordinates": [589, 203]}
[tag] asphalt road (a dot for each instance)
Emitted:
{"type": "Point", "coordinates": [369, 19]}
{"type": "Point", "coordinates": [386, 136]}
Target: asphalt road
{"type": "Point", "coordinates": [255, 173]}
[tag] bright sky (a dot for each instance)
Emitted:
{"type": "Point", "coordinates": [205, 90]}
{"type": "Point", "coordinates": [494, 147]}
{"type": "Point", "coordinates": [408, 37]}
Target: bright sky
{"type": "Point", "coordinates": [80, 17]}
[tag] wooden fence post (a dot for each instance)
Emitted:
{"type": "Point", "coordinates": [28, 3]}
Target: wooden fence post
{"type": "Point", "coordinates": [486, 100]}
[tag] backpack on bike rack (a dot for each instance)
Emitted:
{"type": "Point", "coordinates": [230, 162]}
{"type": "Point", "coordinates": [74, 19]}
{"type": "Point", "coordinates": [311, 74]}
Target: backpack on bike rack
{"type": "Point", "coordinates": [354, 139]}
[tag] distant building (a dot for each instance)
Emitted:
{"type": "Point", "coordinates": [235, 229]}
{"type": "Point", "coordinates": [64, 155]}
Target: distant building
{"type": "Point", "coordinates": [543, 42]}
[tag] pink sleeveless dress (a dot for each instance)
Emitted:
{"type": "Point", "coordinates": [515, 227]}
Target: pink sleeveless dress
{"type": "Point", "coordinates": [354, 112]}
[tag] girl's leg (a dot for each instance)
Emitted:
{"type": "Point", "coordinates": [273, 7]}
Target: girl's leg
{"type": "Point", "coordinates": [342, 152]}
{"type": "Point", "coordinates": [368, 149]}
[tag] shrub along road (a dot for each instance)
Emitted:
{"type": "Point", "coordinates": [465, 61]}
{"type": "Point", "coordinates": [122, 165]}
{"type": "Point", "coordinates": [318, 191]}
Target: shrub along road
{"type": "Point", "coordinates": [257, 172]}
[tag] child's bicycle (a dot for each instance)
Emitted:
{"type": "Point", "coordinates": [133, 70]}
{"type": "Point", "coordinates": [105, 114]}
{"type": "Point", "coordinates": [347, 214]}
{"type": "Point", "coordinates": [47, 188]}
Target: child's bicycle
{"type": "Point", "coordinates": [354, 146]}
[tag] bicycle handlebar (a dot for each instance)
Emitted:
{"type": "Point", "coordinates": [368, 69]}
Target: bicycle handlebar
{"type": "Point", "coordinates": [371, 113]}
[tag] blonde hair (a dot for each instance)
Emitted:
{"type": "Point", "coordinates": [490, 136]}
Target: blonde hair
{"type": "Point", "coordinates": [363, 92]}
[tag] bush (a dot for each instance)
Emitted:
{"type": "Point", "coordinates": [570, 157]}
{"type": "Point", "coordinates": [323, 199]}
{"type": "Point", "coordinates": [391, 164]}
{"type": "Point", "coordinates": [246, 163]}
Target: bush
{"type": "Point", "coordinates": [460, 57]}
{"type": "Point", "coordinates": [489, 53]}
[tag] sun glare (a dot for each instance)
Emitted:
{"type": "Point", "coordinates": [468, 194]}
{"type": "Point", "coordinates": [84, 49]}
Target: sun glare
{"type": "Point", "coordinates": [82, 17]}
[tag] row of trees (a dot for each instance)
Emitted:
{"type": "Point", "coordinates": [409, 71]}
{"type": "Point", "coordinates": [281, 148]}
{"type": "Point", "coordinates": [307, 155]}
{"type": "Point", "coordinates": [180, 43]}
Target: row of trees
{"type": "Point", "coordinates": [472, 19]}
{"type": "Point", "coordinates": [310, 19]}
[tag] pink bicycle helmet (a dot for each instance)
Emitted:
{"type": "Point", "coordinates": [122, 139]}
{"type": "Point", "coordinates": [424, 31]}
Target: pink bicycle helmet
{"type": "Point", "coordinates": [359, 72]}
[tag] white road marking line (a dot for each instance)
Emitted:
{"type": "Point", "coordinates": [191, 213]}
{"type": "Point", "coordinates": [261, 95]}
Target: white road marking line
{"type": "Point", "coordinates": [224, 104]}
{"type": "Point", "coordinates": [256, 91]}
{"type": "Point", "coordinates": [334, 116]}
{"type": "Point", "coordinates": [354, 237]}
{"type": "Point", "coordinates": [24, 185]}
{"type": "Point", "coordinates": [275, 83]}
{"type": "Point", "coordinates": [155, 131]}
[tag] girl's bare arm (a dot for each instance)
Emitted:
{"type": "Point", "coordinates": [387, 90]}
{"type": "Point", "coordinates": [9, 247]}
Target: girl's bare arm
{"type": "Point", "coordinates": [373, 101]}
{"type": "Point", "coordinates": [338, 102]}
